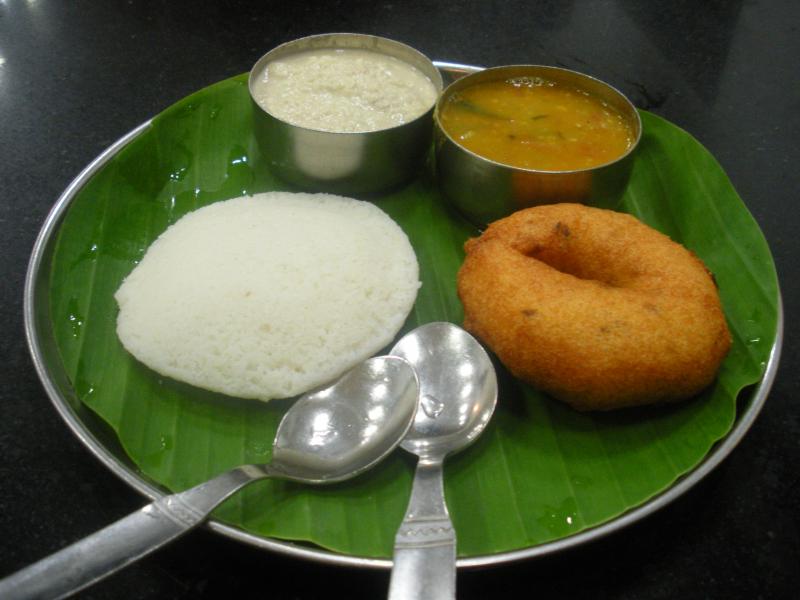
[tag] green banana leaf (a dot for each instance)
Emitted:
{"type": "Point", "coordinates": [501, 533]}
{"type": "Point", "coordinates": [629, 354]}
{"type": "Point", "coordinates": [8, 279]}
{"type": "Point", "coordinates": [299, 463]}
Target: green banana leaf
{"type": "Point", "coordinates": [540, 472]}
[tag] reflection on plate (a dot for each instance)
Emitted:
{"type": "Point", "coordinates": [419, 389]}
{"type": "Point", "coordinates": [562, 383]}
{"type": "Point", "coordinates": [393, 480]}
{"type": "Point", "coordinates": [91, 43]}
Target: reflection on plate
{"type": "Point", "coordinates": [541, 478]}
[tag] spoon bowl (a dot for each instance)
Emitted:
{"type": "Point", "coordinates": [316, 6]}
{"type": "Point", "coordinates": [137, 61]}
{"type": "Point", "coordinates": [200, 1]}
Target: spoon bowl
{"type": "Point", "coordinates": [340, 431]}
{"type": "Point", "coordinates": [458, 388]}
{"type": "Point", "coordinates": [328, 435]}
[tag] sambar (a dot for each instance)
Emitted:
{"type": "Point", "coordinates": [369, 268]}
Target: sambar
{"type": "Point", "coordinates": [536, 123]}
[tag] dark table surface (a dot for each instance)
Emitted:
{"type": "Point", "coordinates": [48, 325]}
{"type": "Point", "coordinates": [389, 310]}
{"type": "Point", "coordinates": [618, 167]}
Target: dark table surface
{"type": "Point", "coordinates": [76, 76]}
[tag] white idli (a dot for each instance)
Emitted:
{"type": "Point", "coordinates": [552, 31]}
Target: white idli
{"type": "Point", "coordinates": [269, 296]}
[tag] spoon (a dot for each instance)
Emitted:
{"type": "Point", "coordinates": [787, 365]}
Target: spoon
{"type": "Point", "coordinates": [326, 436]}
{"type": "Point", "coordinates": [458, 393]}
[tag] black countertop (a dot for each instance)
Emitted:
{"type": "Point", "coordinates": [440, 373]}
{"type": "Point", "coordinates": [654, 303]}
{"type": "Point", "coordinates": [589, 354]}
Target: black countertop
{"type": "Point", "coordinates": [74, 77]}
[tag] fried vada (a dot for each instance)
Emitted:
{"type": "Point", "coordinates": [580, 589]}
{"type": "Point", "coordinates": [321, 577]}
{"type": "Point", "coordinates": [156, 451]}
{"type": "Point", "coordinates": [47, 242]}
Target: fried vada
{"type": "Point", "coordinates": [594, 307]}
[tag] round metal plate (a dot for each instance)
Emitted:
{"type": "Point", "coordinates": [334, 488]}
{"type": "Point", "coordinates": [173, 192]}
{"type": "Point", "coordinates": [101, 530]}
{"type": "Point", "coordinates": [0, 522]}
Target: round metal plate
{"type": "Point", "coordinates": [91, 432]}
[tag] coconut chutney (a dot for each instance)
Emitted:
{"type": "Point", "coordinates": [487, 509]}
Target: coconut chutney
{"type": "Point", "coordinates": [343, 90]}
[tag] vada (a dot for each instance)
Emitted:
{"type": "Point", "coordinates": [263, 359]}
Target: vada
{"type": "Point", "coordinates": [594, 307]}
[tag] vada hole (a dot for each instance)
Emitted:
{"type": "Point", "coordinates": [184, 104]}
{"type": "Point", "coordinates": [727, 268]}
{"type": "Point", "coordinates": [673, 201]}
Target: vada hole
{"type": "Point", "coordinates": [563, 262]}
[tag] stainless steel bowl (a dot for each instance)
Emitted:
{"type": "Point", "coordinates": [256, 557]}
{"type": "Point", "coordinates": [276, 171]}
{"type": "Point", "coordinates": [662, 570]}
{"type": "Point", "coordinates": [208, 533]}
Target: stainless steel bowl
{"type": "Point", "coordinates": [484, 190]}
{"type": "Point", "coordinates": [344, 163]}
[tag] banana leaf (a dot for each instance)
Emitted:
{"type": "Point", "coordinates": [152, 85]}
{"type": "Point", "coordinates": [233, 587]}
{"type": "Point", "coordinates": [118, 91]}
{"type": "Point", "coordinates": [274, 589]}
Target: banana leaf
{"type": "Point", "coordinates": [540, 472]}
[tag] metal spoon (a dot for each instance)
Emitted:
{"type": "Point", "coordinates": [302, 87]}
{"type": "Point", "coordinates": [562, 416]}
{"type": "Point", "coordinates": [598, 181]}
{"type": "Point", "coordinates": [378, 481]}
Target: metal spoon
{"type": "Point", "coordinates": [458, 393]}
{"type": "Point", "coordinates": [327, 436]}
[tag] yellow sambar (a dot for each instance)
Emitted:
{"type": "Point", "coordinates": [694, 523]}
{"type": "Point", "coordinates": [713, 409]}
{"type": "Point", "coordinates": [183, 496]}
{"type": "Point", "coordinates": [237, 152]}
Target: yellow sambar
{"type": "Point", "coordinates": [535, 123]}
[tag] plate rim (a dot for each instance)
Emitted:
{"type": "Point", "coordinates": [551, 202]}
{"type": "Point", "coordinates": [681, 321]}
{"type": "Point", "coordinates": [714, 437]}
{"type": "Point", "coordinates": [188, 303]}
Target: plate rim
{"type": "Point", "coordinates": [718, 453]}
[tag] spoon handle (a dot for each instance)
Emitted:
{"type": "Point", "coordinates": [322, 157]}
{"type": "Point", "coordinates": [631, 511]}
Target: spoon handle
{"type": "Point", "coordinates": [118, 545]}
{"type": "Point", "coordinates": [425, 545]}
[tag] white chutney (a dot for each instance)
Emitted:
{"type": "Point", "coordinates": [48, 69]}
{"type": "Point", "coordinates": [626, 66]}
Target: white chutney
{"type": "Point", "coordinates": [343, 90]}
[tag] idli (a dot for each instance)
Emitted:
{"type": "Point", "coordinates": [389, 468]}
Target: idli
{"type": "Point", "coordinates": [270, 295]}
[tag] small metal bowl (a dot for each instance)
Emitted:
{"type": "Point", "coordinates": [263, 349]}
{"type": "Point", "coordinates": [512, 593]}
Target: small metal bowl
{"type": "Point", "coordinates": [345, 163]}
{"type": "Point", "coordinates": [484, 190]}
